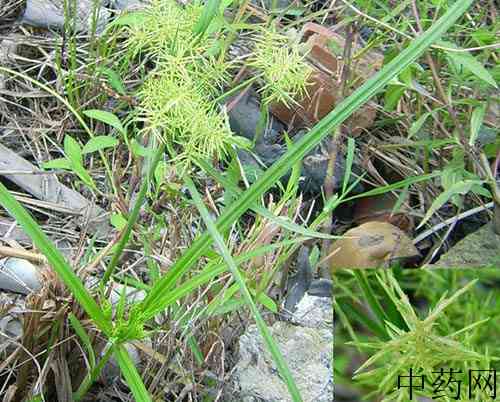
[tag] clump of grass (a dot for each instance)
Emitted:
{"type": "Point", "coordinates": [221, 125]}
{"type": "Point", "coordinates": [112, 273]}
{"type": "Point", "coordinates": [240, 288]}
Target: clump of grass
{"type": "Point", "coordinates": [283, 66]}
{"type": "Point", "coordinates": [178, 99]}
{"type": "Point", "coordinates": [168, 290]}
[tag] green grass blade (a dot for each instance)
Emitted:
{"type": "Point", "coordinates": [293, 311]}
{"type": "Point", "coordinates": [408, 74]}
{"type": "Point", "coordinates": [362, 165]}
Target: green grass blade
{"type": "Point", "coordinates": [283, 222]}
{"type": "Point", "coordinates": [223, 250]}
{"type": "Point", "coordinates": [92, 376]}
{"type": "Point", "coordinates": [371, 297]}
{"type": "Point", "coordinates": [211, 271]}
{"type": "Point", "coordinates": [209, 12]}
{"type": "Point", "coordinates": [131, 375]}
{"type": "Point", "coordinates": [82, 334]}
{"type": "Point", "coordinates": [55, 259]}
{"type": "Point", "coordinates": [348, 163]}
{"type": "Point", "coordinates": [195, 349]}
{"type": "Point", "coordinates": [394, 186]}
{"type": "Point", "coordinates": [306, 144]}
{"type": "Point", "coordinates": [354, 314]}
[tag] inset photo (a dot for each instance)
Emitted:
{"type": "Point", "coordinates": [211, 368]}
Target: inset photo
{"type": "Point", "coordinates": [417, 335]}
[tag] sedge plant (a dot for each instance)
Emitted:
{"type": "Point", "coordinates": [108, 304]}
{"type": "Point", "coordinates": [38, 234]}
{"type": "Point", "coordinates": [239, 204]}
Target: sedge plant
{"type": "Point", "coordinates": [167, 289]}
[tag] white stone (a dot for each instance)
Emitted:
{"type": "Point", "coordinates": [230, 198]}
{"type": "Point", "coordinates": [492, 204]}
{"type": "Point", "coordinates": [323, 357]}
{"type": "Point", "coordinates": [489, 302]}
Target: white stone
{"type": "Point", "coordinates": [50, 14]}
{"type": "Point", "coordinates": [19, 276]}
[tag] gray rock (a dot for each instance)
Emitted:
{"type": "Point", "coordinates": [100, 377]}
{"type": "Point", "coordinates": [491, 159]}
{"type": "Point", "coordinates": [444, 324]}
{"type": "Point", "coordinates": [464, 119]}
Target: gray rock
{"type": "Point", "coordinates": [308, 352]}
{"type": "Point", "coordinates": [314, 165]}
{"type": "Point", "coordinates": [128, 4]}
{"type": "Point", "coordinates": [300, 283]}
{"type": "Point", "coordinates": [321, 287]}
{"type": "Point", "coordinates": [50, 14]}
{"type": "Point", "coordinates": [314, 312]}
{"type": "Point", "coordinates": [244, 118]}
{"type": "Point", "coordinates": [480, 249]}
{"type": "Point", "coordinates": [19, 276]}
{"type": "Point", "coordinates": [308, 301]}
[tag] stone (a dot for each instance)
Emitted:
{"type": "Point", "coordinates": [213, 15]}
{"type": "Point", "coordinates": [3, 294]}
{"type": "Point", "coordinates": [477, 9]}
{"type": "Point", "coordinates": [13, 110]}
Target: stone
{"type": "Point", "coordinates": [315, 167]}
{"type": "Point", "coordinates": [300, 282]}
{"type": "Point", "coordinates": [244, 117]}
{"type": "Point", "coordinates": [308, 352]}
{"type": "Point", "coordinates": [313, 312]}
{"type": "Point", "coordinates": [50, 14]}
{"type": "Point", "coordinates": [19, 276]}
{"type": "Point", "coordinates": [321, 287]}
{"type": "Point", "coordinates": [480, 249]}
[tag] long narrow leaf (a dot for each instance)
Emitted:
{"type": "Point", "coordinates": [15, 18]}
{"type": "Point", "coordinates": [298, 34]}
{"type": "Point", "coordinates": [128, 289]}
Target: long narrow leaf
{"type": "Point", "coordinates": [371, 297]}
{"type": "Point", "coordinates": [223, 250]}
{"type": "Point", "coordinates": [212, 270]}
{"type": "Point", "coordinates": [283, 222]}
{"type": "Point", "coordinates": [133, 216]}
{"type": "Point", "coordinates": [55, 259]}
{"type": "Point", "coordinates": [353, 313]}
{"type": "Point", "coordinates": [134, 381]}
{"type": "Point", "coordinates": [82, 334]}
{"type": "Point", "coordinates": [209, 12]}
{"type": "Point", "coordinates": [92, 376]}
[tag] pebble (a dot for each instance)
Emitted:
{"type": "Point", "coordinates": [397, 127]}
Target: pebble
{"type": "Point", "coordinates": [19, 276]}
{"type": "Point", "coordinates": [50, 14]}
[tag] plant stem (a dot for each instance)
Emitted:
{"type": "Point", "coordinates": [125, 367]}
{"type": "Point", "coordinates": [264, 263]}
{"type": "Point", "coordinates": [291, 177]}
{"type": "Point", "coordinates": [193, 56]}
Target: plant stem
{"type": "Point", "coordinates": [92, 376]}
{"type": "Point", "coordinates": [133, 217]}
{"type": "Point", "coordinates": [495, 191]}
{"type": "Point", "coordinates": [437, 81]}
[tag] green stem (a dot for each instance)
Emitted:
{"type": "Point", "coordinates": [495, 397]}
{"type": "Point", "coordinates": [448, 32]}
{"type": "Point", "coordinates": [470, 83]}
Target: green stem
{"type": "Point", "coordinates": [133, 217]}
{"type": "Point", "coordinates": [92, 376]}
{"type": "Point", "coordinates": [244, 84]}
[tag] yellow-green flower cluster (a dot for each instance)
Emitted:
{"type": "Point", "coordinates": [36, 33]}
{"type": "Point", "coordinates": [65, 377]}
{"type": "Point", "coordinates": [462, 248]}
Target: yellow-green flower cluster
{"type": "Point", "coordinates": [284, 70]}
{"type": "Point", "coordinates": [175, 104]}
{"type": "Point", "coordinates": [177, 98]}
{"type": "Point", "coordinates": [164, 26]}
